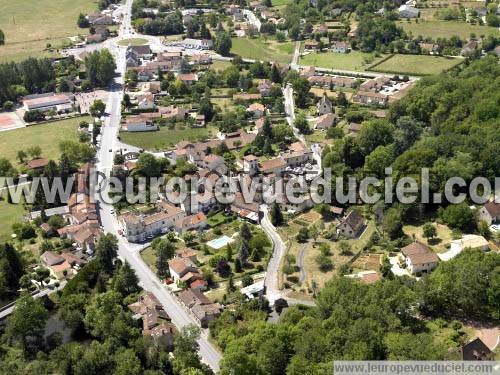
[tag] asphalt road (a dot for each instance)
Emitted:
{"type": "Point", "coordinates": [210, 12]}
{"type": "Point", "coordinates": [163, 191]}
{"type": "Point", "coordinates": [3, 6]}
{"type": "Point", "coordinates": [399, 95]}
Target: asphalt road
{"type": "Point", "coordinates": [131, 252]}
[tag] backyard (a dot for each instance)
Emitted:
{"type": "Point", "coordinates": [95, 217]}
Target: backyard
{"type": "Point", "coordinates": [261, 49]}
{"type": "Point", "coordinates": [416, 64]}
{"type": "Point", "coordinates": [446, 29]}
{"type": "Point", "coordinates": [354, 60]}
{"type": "Point", "coordinates": [166, 138]}
{"type": "Point", "coordinates": [47, 136]}
{"type": "Point", "coordinates": [29, 26]}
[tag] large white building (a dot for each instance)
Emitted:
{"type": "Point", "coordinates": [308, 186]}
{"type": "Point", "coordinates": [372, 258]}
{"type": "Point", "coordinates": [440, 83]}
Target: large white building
{"type": "Point", "coordinates": [139, 227]}
{"type": "Point", "coordinates": [50, 101]}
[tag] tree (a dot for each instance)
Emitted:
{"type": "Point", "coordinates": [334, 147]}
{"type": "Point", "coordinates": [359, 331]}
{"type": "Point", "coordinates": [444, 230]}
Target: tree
{"type": "Point", "coordinates": [345, 248]}
{"type": "Point", "coordinates": [229, 252]}
{"type": "Point", "coordinates": [407, 346]}
{"type": "Point", "coordinates": [27, 322]}
{"type": "Point", "coordinates": [246, 280]}
{"type": "Point", "coordinates": [302, 235]}
{"type": "Point", "coordinates": [314, 232]}
{"type": "Point", "coordinates": [21, 155]}
{"type": "Point", "coordinates": [97, 108]}
{"type": "Point", "coordinates": [393, 225]}
{"type": "Point", "coordinates": [149, 166]}
{"type": "Point", "coordinates": [105, 318]}
{"type": "Point", "coordinates": [301, 124]}
{"type": "Point", "coordinates": [275, 75]}
{"type": "Point", "coordinates": [35, 152]}
{"type": "Point", "coordinates": [100, 67]}
{"type": "Point", "coordinates": [2, 37]}
{"type": "Point", "coordinates": [245, 232]}
{"type": "Point", "coordinates": [458, 216]}
{"type": "Point", "coordinates": [324, 263]}
{"type": "Point", "coordinates": [165, 250]}
{"type": "Point", "coordinates": [6, 168]}
{"type": "Point", "coordinates": [429, 231]}
{"type": "Point", "coordinates": [106, 252]}
{"type": "Point", "coordinates": [243, 252]}
{"type": "Point", "coordinates": [458, 280]}
{"type": "Point", "coordinates": [126, 281]}
{"type": "Point", "coordinates": [223, 43]}
{"type": "Point", "coordinates": [56, 221]}
{"type": "Point", "coordinates": [82, 21]}
{"type": "Point", "coordinates": [276, 215]}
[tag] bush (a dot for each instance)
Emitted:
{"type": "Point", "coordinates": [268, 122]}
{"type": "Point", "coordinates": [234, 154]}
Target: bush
{"type": "Point", "coordinates": [325, 264]}
{"type": "Point", "coordinates": [8, 105]}
{"type": "Point", "coordinates": [32, 116]}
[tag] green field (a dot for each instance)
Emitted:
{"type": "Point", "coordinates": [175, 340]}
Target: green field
{"type": "Point", "coordinates": [446, 29]}
{"type": "Point", "coordinates": [259, 49]}
{"type": "Point", "coordinates": [133, 42]}
{"type": "Point", "coordinates": [278, 3]}
{"type": "Point", "coordinates": [47, 136]}
{"type": "Point", "coordinates": [354, 60]}
{"type": "Point", "coordinates": [416, 64]}
{"type": "Point", "coordinates": [165, 138]}
{"type": "Point", "coordinates": [31, 24]}
{"type": "Point", "coordinates": [9, 214]}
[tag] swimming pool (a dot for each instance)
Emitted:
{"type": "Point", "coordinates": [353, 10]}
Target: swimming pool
{"type": "Point", "coordinates": [220, 242]}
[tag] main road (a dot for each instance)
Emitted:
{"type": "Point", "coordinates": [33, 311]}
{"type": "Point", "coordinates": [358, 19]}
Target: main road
{"type": "Point", "coordinates": [180, 316]}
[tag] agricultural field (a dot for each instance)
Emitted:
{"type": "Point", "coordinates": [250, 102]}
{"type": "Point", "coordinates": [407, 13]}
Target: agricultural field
{"type": "Point", "coordinates": [446, 29]}
{"type": "Point", "coordinates": [165, 138]}
{"type": "Point", "coordinates": [29, 26]}
{"type": "Point", "coordinates": [265, 50]}
{"type": "Point", "coordinates": [354, 60]}
{"type": "Point", "coordinates": [47, 136]}
{"type": "Point", "coordinates": [416, 64]}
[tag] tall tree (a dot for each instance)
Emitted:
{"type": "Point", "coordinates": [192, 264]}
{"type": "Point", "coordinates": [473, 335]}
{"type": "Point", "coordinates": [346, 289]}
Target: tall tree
{"type": "Point", "coordinates": [106, 252]}
{"type": "Point", "coordinates": [223, 43]}
{"type": "Point", "coordinates": [276, 215]}
{"type": "Point", "coordinates": [27, 322]}
{"type": "Point", "coordinates": [126, 281]}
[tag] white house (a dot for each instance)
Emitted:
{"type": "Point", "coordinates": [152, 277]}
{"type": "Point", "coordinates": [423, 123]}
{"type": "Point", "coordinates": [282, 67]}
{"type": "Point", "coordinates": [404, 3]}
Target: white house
{"type": "Point", "coordinates": [419, 258]}
{"type": "Point", "coordinates": [339, 47]}
{"type": "Point", "coordinates": [407, 11]}
{"type": "Point", "coordinates": [139, 124]}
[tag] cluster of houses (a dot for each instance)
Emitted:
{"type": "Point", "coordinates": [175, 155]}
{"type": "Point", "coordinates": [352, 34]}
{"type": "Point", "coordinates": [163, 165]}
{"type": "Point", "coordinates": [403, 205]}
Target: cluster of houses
{"type": "Point", "coordinates": [82, 228]}
{"type": "Point", "coordinates": [155, 320]}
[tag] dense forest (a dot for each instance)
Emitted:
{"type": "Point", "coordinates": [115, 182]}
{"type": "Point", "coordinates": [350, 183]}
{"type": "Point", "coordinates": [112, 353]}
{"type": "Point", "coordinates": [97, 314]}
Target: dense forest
{"type": "Point", "coordinates": [448, 123]}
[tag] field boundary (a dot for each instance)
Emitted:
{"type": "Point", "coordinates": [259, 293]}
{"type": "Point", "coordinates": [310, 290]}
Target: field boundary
{"type": "Point", "coordinates": [377, 63]}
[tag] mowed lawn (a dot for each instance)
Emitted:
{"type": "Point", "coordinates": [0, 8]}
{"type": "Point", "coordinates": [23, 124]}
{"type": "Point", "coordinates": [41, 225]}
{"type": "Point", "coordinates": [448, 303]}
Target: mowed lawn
{"type": "Point", "coordinates": [259, 49]}
{"type": "Point", "coordinates": [9, 214]}
{"type": "Point", "coordinates": [354, 60]}
{"type": "Point", "coordinates": [47, 136]}
{"type": "Point", "coordinates": [165, 138]}
{"type": "Point", "coordinates": [446, 29]}
{"type": "Point", "coordinates": [417, 64]}
{"type": "Point", "coordinates": [30, 24]}
{"type": "Point", "coordinates": [133, 42]}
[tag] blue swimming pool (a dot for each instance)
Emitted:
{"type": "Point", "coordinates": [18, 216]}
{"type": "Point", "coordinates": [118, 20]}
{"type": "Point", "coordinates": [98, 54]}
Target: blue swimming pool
{"type": "Point", "coordinates": [220, 242]}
